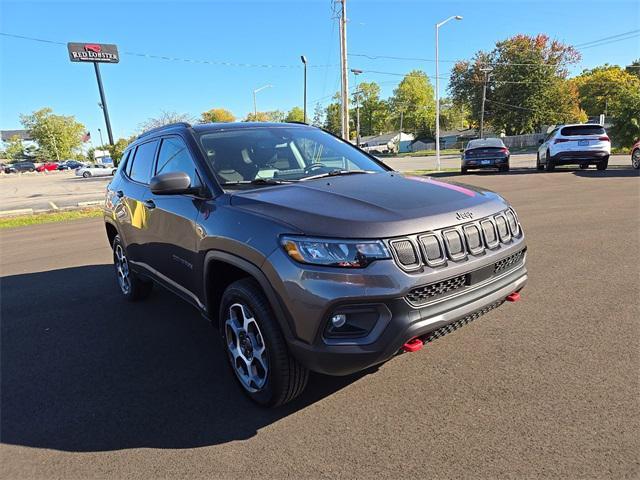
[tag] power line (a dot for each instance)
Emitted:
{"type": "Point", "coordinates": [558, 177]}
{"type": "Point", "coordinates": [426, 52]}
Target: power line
{"type": "Point", "coordinates": [606, 38]}
{"type": "Point", "coordinates": [610, 41]}
{"type": "Point", "coordinates": [177, 59]}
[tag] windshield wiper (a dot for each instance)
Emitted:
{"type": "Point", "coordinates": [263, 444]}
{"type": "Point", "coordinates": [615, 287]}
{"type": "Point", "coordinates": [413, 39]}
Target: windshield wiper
{"type": "Point", "coordinates": [258, 181]}
{"type": "Point", "coordinates": [334, 173]}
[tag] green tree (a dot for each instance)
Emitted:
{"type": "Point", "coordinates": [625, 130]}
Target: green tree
{"type": "Point", "coordinates": [116, 150]}
{"type": "Point", "coordinates": [414, 97]}
{"type": "Point", "coordinates": [374, 112]}
{"type": "Point", "coordinates": [14, 148]}
{"type": "Point", "coordinates": [165, 118]}
{"type": "Point", "coordinates": [626, 126]}
{"type": "Point", "coordinates": [453, 116]}
{"type": "Point", "coordinates": [526, 88]}
{"type": "Point", "coordinates": [58, 137]}
{"type": "Point", "coordinates": [217, 115]}
{"type": "Point", "coordinates": [604, 88]}
{"type": "Point", "coordinates": [296, 114]}
{"type": "Point", "coordinates": [333, 116]}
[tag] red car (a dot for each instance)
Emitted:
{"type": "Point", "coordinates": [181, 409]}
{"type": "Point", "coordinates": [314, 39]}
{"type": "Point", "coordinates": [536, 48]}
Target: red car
{"type": "Point", "coordinates": [47, 166]}
{"type": "Point", "coordinates": [635, 155]}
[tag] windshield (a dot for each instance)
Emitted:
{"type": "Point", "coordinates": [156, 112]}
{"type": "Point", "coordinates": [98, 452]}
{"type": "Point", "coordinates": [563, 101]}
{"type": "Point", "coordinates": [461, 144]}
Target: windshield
{"type": "Point", "coordinates": [280, 154]}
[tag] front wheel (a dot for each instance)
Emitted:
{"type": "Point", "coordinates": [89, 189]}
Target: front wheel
{"type": "Point", "coordinates": [463, 170]}
{"type": "Point", "coordinates": [86, 175]}
{"type": "Point", "coordinates": [635, 159]}
{"type": "Point", "coordinates": [603, 164]}
{"type": "Point", "coordinates": [256, 348]}
{"type": "Point", "coordinates": [131, 285]}
{"type": "Point", "coordinates": [551, 166]}
{"type": "Point", "coordinates": [584, 166]}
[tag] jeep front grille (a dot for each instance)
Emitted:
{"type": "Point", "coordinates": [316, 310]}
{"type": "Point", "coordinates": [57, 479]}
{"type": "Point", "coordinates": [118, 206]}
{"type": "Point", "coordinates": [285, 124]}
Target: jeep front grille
{"type": "Point", "coordinates": [456, 244]}
{"type": "Point", "coordinates": [426, 293]}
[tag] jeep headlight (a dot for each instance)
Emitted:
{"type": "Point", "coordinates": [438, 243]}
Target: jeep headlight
{"type": "Point", "coordinates": [334, 252]}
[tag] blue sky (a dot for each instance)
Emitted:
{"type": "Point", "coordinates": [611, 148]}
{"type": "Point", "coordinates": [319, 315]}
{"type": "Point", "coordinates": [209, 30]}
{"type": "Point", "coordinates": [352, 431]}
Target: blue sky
{"type": "Point", "coordinates": [35, 75]}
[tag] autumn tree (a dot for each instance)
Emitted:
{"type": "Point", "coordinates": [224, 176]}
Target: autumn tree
{"type": "Point", "coordinates": [58, 137]}
{"type": "Point", "coordinates": [527, 84]}
{"type": "Point", "coordinates": [604, 89]}
{"type": "Point", "coordinates": [271, 116]}
{"type": "Point", "coordinates": [414, 97]}
{"type": "Point", "coordinates": [217, 115]}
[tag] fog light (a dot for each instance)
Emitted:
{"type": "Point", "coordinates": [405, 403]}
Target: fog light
{"type": "Point", "coordinates": [338, 320]}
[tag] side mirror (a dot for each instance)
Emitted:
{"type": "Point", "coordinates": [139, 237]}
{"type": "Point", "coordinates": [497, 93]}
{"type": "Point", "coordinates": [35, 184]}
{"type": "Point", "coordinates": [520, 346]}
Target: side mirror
{"type": "Point", "coordinates": [541, 141]}
{"type": "Point", "coordinates": [172, 183]}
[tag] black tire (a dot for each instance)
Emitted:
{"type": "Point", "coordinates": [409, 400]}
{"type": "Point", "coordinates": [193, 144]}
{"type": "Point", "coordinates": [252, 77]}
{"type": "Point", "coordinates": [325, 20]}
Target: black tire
{"type": "Point", "coordinates": [539, 166]}
{"type": "Point", "coordinates": [584, 166]}
{"type": "Point", "coordinates": [86, 175]}
{"type": "Point", "coordinates": [113, 172]}
{"type": "Point", "coordinates": [284, 378]}
{"type": "Point", "coordinates": [635, 159]}
{"type": "Point", "coordinates": [504, 168]}
{"type": "Point", "coordinates": [603, 164]}
{"type": "Point", "coordinates": [551, 165]}
{"type": "Point", "coordinates": [133, 287]}
{"type": "Point", "coordinates": [463, 170]}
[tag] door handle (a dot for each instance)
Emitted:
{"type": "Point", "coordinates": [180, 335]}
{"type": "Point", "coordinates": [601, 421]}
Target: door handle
{"type": "Point", "coordinates": [119, 194]}
{"type": "Point", "coordinates": [150, 204]}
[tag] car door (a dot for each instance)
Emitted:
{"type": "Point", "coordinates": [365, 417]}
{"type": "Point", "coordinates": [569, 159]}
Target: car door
{"type": "Point", "coordinates": [132, 211]}
{"type": "Point", "coordinates": [172, 220]}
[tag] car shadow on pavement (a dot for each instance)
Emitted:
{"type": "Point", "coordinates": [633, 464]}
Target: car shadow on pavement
{"type": "Point", "coordinates": [83, 370]}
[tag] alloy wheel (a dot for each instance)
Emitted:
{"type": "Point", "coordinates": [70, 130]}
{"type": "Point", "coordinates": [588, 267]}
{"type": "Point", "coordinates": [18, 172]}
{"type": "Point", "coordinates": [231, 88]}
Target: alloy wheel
{"type": "Point", "coordinates": [635, 159]}
{"type": "Point", "coordinates": [246, 348]}
{"type": "Point", "coordinates": [122, 270]}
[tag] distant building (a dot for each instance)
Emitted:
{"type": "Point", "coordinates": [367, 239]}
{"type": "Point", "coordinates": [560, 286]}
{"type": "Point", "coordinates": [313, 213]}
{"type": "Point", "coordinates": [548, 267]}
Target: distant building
{"type": "Point", "coordinates": [23, 135]}
{"type": "Point", "coordinates": [387, 143]}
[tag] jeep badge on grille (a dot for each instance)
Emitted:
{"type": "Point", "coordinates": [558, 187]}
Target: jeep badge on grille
{"type": "Point", "coordinates": [464, 215]}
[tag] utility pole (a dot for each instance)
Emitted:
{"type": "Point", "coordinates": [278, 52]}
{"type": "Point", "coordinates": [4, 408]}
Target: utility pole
{"type": "Point", "coordinates": [357, 72]}
{"type": "Point", "coordinates": [103, 102]}
{"type": "Point", "coordinates": [400, 133]}
{"type": "Point", "coordinates": [344, 70]}
{"type": "Point", "coordinates": [487, 74]}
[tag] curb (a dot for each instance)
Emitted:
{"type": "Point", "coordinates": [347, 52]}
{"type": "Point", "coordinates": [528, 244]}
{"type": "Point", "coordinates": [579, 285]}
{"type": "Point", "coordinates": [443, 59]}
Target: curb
{"type": "Point", "coordinates": [19, 211]}
{"type": "Point", "coordinates": [91, 203]}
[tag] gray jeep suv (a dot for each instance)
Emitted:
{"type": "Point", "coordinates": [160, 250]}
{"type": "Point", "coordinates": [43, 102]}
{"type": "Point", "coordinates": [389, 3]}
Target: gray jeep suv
{"type": "Point", "coordinates": [304, 251]}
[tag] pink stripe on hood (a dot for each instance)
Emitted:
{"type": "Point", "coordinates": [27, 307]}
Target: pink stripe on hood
{"type": "Point", "coordinates": [457, 188]}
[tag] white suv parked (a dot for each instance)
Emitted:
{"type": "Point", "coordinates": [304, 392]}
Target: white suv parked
{"type": "Point", "coordinates": [581, 144]}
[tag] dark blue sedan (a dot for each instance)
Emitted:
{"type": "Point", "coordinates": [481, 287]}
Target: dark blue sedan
{"type": "Point", "coordinates": [485, 153]}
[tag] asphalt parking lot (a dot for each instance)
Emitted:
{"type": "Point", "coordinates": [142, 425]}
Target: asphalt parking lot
{"type": "Point", "coordinates": [94, 387]}
{"type": "Point", "coordinates": [39, 191]}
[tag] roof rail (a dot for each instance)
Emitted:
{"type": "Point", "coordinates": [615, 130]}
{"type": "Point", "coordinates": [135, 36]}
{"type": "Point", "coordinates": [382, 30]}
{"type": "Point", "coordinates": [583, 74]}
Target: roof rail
{"type": "Point", "coordinates": [164, 127]}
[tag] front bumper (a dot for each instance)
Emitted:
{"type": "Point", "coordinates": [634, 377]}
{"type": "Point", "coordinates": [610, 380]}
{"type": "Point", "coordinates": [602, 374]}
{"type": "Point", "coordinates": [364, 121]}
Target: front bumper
{"type": "Point", "coordinates": [312, 296]}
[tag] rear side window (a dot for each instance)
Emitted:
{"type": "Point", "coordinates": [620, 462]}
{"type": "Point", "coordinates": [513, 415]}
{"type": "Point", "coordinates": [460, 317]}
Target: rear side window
{"type": "Point", "coordinates": [174, 156]}
{"type": "Point", "coordinates": [582, 130]}
{"type": "Point", "coordinates": [142, 162]}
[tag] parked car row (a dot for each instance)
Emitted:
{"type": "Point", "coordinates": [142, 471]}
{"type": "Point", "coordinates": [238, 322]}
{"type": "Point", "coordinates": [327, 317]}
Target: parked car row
{"type": "Point", "coordinates": [81, 169]}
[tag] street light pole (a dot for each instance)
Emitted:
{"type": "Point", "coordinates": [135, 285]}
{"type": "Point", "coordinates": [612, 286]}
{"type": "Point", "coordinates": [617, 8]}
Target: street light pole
{"type": "Point", "coordinates": [101, 141]}
{"type": "Point", "coordinates": [438, 25]}
{"type": "Point", "coordinates": [304, 62]}
{"type": "Point", "coordinates": [255, 107]}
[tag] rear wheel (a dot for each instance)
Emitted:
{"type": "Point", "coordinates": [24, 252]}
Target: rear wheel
{"type": "Point", "coordinates": [603, 164]}
{"type": "Point", "coordinates": [132, 286]}
{"type": "Point", "coordinates": [504, 168]}
{"type": "Point", "coordinates": [551, 165]}
{"type": "Point", "coordinates": [86, 175]}
{"type": "Point", "coordinates": [463, 170]}
{"type": "Point", "coordinates": [635, 159]}
{"type": "Point", "coordinates": [256, 349]}
{"type": "Point", "coordinates": [539, 166]}
{"type": "Point", "coordinates": [584, 166]}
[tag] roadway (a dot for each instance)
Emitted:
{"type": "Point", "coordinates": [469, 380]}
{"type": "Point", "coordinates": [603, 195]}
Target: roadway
{"type": "Point", "coordinates": [95, 387]}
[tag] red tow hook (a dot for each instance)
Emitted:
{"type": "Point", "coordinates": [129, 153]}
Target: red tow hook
{"type": "Point", "coordinates": [413, 345]}
{"type": "Point", "coordinates": [513, 297]}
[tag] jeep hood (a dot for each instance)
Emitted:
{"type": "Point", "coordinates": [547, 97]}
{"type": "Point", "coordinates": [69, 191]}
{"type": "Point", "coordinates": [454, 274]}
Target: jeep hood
{"type": "Point", "coordinates": [379, 205]}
